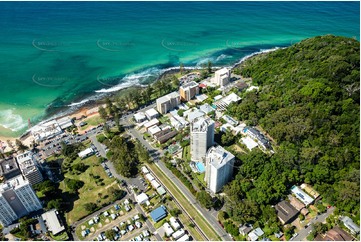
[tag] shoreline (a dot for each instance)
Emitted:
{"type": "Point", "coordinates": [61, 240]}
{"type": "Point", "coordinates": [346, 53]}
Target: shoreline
{"type": "Point", "coordinates": [94, 101]}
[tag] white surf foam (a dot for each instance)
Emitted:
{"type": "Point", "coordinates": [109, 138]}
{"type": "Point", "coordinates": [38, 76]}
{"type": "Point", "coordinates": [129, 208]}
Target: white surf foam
{"type": "Point", "coordinates": [12, 121]}
{"type": "Point", "coordinates": [78, 103]}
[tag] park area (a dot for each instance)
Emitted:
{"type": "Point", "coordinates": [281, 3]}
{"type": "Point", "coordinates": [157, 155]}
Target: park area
{"type": "Point", "coordinates": [92, 121]}
{"type": "Point", "coordinates": [97, 188]}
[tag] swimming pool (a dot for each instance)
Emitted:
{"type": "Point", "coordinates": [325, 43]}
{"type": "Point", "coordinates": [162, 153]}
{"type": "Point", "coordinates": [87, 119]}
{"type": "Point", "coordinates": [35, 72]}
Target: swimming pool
{"type": "Point", "coordinates": [200, 167]}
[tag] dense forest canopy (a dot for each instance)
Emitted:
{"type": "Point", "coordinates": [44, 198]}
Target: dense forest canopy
{"type": "Point", "coordinates": [308, 103]}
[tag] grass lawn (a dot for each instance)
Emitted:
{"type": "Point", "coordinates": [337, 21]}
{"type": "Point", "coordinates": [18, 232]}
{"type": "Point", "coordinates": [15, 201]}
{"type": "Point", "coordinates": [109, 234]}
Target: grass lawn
{"type": "Point", "coordinates": [237, 148]}
{"type": "Point", "coordinates": [92, 121]}
{"type": "Point", "coordinates": [158, 224]}
{"type": "Point", "coordinates": [90, 192]}
{"type": "Point", "coordinates": [200, 177]}
{"type": "Point", "coordinates": [186, 155]}
{"type": "Point", "coordinates": [60, 237]}
{"type": "Point", "coordinates": [198, 218]}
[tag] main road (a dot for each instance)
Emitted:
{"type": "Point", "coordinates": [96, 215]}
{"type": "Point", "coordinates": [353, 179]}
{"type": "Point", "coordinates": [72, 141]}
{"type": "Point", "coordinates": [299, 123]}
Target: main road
{"type": "Point", "coordinates": [205, 213]}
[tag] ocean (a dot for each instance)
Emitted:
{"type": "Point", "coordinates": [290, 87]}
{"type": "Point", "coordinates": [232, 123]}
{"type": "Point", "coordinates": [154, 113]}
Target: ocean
{"type": "Point", "coordinates": [57, 55]}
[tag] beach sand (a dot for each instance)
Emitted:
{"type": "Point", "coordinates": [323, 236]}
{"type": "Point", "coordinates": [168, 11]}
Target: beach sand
{"type": "Point", "coordinates": [84, 111]}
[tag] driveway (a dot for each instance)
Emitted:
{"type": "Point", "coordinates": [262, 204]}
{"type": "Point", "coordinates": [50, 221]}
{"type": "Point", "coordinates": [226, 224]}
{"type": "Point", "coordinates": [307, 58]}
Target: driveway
{"type": "Point", "coordinates": [302, 234]}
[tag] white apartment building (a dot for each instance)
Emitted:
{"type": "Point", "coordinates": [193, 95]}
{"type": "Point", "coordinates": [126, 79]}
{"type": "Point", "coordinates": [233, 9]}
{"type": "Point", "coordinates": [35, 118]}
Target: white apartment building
{"type": "Point", "coordinates": [168, 102]}
{"type": "Point", "coordinates": [222, 77]}
{"type": "Point", "coordinates": [219, 168]}
{"type": "Point", "coordinates": [29, 167]}
{"type": "Point", "coordinates": [17, 199]}
{"type": "Point", "coordinates": [7, 214]}
{"type": "Point", "coordinates": [202, 137]}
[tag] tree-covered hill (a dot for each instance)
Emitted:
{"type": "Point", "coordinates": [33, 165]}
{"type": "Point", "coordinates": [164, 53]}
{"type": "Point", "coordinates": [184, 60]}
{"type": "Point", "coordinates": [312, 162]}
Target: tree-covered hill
{"type": "Point", "coordinates": [309, 103]}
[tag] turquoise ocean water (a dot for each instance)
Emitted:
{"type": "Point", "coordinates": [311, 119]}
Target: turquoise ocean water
{"type": "Point", "coordinates": [57, 54]}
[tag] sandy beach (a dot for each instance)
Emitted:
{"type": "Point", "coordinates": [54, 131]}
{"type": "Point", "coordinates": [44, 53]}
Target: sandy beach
{"type": "Point", "coordinates": [83, 111]}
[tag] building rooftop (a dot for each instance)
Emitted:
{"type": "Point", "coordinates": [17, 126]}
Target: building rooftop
{"type": "Point", "coordinates": [310, 190]}
{"type": "Point", "coordinates": [350, 224]}
{"type": "Point", "coordinates": [219, 156]}
{"type": "Point", "coordinates": [201, 97]}
{"type": "Point", "coordinates": [201, 124]}
{"type": "Point", "coordinates": [188, 85]}
{"type": "Point", "coordinates": [141, 198]}
{"type": "Point", "coordinates": [285, 211]}
{"type": "Point", "coordinates": [297, 204]}
{"type": "Point", "coordinates": [9, 168]}
{"type": "Point", "coordinates": [64, 122]}
{"type": "Point", "coordinates": [168, 229]}
{"type": "Point", "coordinates": [154, 129]}
{"type": "Point", "coordinates": [175, 224]}
{"type": "Point", "coordinates": [13, 183]}
{"type": "Point", "coordinates": [151, 123]}
{"type": "Point", "coordinates": [85, 152]}
{"type": "Point", "coordinates": [139, 116]}
{"type": "Point", "coordinates": [222, 71]}
{"type": "Point", "coordinates": [195, 114]}
{"type": "Point", "coordinates": [301, 195]}
{"type": "Point", "coordinates": [158, 213]}
{"type": "Point", "coordinates": [255, 234]}
{"type": "Point", "coordinates": [337, 234]}
{"type": "Point", "coordinates": [245, 229]}
{"type": "Point", "coordinates": [231, 98]}
{"type": "Point", "coordinates": [206, 108]}
{"type": "Point", "coordinates": [161, 191]}
{"type": "Point", "coordinates": [26, 162]}
{"type": "Point", "coordinates": [218, 97]}
{"type": "Point", "coordinates": [52, 221]}
{"type": "Point", "coordinates": [250, 143]}
{"type": "Point", "coordinates": [46, 130]}
{"type": "Point", "coordinates": [167, 97]}
{"type": "Point", "coordinates": [151, 112]}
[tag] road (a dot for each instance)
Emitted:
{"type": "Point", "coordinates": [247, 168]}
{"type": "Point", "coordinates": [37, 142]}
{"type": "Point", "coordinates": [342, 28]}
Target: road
{"type": "Point", "coordinates": [320, 218]}
{"type": "Point", "coordinates": [149, 224]}
{"type": "Point", "coordinates": [100, 147]}
{"type": "Point", "coordinates": [205, 213]}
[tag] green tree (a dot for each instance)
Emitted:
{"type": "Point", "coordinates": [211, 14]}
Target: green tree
{"type": "Point", "coordinates": [228, 138]}
{"type": "Point", "coordinates": [181, 68]}
{"type": "Point", "coordinates": [180, 112]}
{"type": "Point", "coordinates": [205, 199]}
{"type": "Point", "coordinates": [73, 185]}
{"type": "Point", "coordinates": [90, 207]}
{"type": "Point", "coordinates": [209, 67]}
{"type": "Point", "coordinates": [110, 234]}
{"type": "Point", "coordinates": [21, 147]}
{"type": "Point", "coordinates": [175, 212]}
{"type": "Point", "coordinates": [103, 113]}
